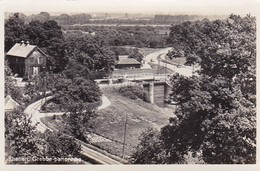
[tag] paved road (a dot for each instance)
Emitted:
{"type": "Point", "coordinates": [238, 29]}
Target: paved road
{"type": "Point", "coordinates": [153, 58]}
{"type": "Point", "coordinates": [33, 110]}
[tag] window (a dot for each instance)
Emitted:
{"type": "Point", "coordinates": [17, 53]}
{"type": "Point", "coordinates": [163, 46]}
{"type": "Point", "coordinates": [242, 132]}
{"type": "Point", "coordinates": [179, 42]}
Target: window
{"type": "Point", "coordinates": [35, 70]}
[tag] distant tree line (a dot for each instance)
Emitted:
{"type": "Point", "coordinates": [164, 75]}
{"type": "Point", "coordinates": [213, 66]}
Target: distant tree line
{"type": "Point", "coordinates": [63, 19]}
{"type": "Point", "coordinates": [177, 19]}
{"type": "Point", "coordinates": [144, 36]}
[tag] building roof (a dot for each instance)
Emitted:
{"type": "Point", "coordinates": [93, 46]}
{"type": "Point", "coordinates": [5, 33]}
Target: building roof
{"type": "Point", "coordinates": [129, 61]}
{"type": "Point", "coordinates": [122, 57]}
{"type": "Point", "coordinates": [23, 50]}
{"type": "Point", "coordinates": [10, 103]}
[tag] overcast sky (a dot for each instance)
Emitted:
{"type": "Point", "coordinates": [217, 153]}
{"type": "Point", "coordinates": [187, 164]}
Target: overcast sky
{"type": "Point", "coordinates": [214, 7]}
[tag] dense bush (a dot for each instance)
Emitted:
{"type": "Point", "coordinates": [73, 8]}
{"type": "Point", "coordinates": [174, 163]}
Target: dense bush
{"type": "Point", "coordinates": [24, 144]}
{"type": "Point", "coordinates": [134, 92]}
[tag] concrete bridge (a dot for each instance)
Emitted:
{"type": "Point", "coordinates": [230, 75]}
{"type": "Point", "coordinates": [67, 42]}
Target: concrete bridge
{"type": "Point", "coordinates": [158, 86]}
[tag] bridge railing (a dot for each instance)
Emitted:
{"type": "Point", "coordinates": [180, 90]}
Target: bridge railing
{"type": "Point", "coordinates": [138, 75]}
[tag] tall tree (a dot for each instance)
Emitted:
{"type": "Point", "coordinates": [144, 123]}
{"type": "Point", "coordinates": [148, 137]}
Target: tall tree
{"type": "Point", "coordinates": [14, 31]}
{"type": "Point", "coordinates": [216, 112]}
{"type": "Point", "coordinates": [48, 36]}
{"type": "Point", "coordinates": [80, 94]}
{"type": "Point", "coordinates": [91, 52]}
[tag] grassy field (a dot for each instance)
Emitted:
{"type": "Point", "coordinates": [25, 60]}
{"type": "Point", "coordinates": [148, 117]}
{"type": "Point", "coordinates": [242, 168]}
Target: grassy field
{"type": "Point", "coordinates": [140, 116]}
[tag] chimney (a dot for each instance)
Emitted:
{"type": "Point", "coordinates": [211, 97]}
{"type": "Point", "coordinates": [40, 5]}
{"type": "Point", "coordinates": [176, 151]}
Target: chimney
{"type": "Point", "coordinates": [27, 42]}
{"type": "Point", "coordinates": [22, 42]}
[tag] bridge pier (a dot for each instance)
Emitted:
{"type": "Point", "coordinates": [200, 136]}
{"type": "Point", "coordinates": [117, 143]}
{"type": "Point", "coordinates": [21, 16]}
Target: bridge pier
{"type": "Point", "coordinates": [151, 91]}
{"type": "Point", "coordinates": [157, 91]}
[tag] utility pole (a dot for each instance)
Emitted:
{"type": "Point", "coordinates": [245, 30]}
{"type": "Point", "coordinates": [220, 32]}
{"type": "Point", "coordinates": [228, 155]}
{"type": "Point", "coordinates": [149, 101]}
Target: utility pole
{"type": "Point", "coordinates": [124, 136]}
{"type": "Point", "coordinates": [193, 68]}
{"type": "Point", "coordinates": [165, 71]}
{"type": "Point", "coordinates": [159, 61]}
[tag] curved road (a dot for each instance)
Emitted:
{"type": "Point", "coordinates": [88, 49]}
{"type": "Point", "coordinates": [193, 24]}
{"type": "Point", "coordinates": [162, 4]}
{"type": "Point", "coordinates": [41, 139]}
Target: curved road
{"type": "Point", "coordinates": [153, 58]}
{"type": "Point", "coordinates": [33, 110]}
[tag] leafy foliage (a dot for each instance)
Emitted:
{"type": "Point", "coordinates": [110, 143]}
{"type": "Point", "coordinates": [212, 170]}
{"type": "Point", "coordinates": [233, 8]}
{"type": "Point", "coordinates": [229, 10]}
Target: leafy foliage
{"type": "Point", "coordinates": [136, 55]}
{"type": "Point", "coordinates": [134, 92]}
{"type": "Point", "coordinates": [23, 141]}
{"type": "Point", "coordinates": [216, 116]}
{"type": "Point", "coordinates": [60, 145]}
{"type": "Point", "coordinates": [149, 143]}
{"type": "Point", "coordinates": [77, 124]}
{"type": "Point", "coordinates": [48, 36]}
{"type": "Point", "coordinates": [10, 85]}
{"type": "Point", "coordinates": [137, 36]}
{"type": "Point", "coordinates": [14, 31]}
{"type": "Point", "coordinates": [20, 135]}
{"type": "Point", "coordinates": [79, 93]}
{"type": "Point", "coordinates": [223, 121]}
{"type": "Point", "coordinates": [91, 53]}
{"type": "Point", "coordinates": [227, 47]}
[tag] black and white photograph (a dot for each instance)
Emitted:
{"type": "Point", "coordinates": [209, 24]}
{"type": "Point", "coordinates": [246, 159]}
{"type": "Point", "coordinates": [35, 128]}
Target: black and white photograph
{"type": "Point", "coordinates": [116, 82]}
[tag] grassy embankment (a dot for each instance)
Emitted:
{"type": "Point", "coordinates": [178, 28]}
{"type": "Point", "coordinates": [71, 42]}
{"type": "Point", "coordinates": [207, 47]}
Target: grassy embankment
{"type": "Point", "coordinates": [110, 122]}
{"type": "Point", "coordinates": [140, 115]}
